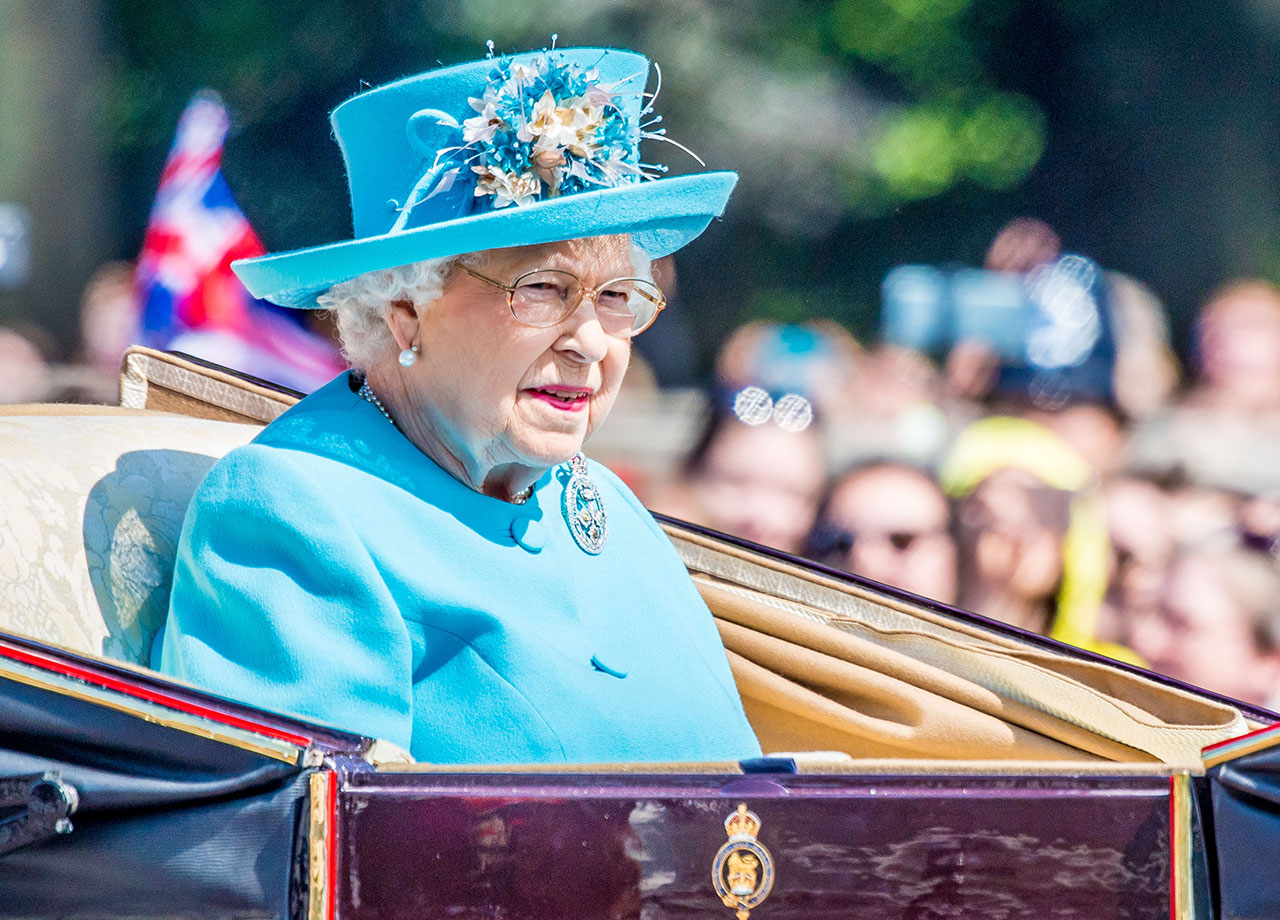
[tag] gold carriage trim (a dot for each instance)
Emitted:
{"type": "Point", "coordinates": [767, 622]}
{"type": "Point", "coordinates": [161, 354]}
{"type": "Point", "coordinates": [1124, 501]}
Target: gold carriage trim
{"type": "Point", "coordinates": [742, 873]}
{"type": "Point", "coordinates": [158, 713]}
{"type": "Point", "coordinates": [320, 847]}
{"type": "Point", "coordinates": [1181, 835]}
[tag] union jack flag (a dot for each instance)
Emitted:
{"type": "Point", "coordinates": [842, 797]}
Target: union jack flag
{"type": "Point", "coordinates": [189, 298]}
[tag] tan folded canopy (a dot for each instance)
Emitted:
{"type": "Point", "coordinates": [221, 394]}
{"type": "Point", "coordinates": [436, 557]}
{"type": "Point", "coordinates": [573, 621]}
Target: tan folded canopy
{"type": "Point", "coordinates": [829, 665]}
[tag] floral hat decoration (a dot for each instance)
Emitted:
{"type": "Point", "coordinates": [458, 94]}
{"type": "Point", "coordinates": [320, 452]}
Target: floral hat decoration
{"type": "Point", "coordinates": [511, 151]}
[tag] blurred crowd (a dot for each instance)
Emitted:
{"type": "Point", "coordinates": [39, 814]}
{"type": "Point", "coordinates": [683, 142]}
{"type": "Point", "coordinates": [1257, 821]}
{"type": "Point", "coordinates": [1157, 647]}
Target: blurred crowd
{"type": "Point", "coordinates": [34, 369]}
{"type": "Point", "coordinates": [1080, 484]}
{"type": "Point", "coordinates": [1052, 466]}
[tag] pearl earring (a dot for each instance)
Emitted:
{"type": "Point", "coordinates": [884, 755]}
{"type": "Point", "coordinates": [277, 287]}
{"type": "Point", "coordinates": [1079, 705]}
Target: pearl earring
{"type": "Point", "coordinates": [409, 357]}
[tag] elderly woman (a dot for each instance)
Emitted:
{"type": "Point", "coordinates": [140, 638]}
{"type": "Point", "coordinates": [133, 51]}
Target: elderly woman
{"type": "Point", "coordinates": [419, 551]}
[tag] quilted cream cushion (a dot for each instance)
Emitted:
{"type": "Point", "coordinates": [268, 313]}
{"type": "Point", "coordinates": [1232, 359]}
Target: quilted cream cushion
{"type": "Point", "coordinates": [90, 510]}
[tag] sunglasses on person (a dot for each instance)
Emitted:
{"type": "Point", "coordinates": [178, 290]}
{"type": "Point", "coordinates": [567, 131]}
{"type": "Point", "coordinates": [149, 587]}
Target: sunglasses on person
{"type": "Point", "coordinates": [547, 297]}
{"type": "Point", "coordinates": [832, 539]}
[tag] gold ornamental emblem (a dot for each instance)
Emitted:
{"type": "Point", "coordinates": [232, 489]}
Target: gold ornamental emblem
{"type": "Point", "coordinates": [743, 870]}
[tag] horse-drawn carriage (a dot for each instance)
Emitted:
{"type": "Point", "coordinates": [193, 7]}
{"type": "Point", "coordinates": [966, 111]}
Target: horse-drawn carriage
{"type": "Point", "coordinates": [943, 765]}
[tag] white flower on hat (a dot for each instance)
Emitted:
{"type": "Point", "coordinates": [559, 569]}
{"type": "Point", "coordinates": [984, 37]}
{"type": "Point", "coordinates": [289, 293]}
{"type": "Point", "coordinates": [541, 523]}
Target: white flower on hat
{"type": "Point", "coordinates": [587, 121]}
{"type": "Point", "coordinates": [554, 127]}
{"type": "Point", "coordinates": [520, 77]}
{"type": "Point", "coordinates": [615, 168]}
{"type": "Point", "coordinates": [484, 126]}
{"type": "Point", "coordinates": [506, 187]}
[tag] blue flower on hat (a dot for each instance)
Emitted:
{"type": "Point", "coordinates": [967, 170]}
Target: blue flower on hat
{"type": "Point", "coordinates": [544, 128]}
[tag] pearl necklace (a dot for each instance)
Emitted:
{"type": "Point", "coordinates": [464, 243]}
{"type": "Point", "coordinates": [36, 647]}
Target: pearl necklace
{"type": "Point", "coordinates": [366, 393]}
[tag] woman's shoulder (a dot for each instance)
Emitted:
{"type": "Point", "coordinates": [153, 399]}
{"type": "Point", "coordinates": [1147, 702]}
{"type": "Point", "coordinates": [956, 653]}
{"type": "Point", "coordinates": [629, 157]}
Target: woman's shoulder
{"type": "Point", "coordinates": [298, 452]}
{"type": "Point", "coordinates": [321, 437]}
{"type": "Point", "coordinates": [259, 480]}
{"type": "Point", "coordinates": [321, 422]}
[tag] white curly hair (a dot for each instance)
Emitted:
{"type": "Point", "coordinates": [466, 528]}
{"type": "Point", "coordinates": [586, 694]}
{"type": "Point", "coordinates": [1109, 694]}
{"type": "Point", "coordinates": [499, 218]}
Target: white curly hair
{"type": "Point", "coordinates": [360, 305]}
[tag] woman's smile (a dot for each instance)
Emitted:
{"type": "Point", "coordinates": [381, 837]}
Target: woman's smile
{"type": "Point", "coordinates": [564, 398]}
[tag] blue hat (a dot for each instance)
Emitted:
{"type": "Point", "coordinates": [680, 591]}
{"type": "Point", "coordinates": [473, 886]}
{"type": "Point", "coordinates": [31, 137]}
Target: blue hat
{"type": "Point", "coordinates": [534, 148]}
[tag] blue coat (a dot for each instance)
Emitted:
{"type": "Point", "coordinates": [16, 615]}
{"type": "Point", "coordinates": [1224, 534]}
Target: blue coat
{"type": "Point", "coordinates": [332, 570]}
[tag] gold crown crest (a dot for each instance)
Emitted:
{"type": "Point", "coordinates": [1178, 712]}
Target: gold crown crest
{"type": "Point", "coordinates": [742, 824]}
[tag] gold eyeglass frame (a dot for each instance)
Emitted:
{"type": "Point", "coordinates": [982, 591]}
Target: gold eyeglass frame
{"type": "Point", "coordinates": [584, 292]}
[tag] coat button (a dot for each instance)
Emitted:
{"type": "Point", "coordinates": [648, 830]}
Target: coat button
{"type": "Point", "coordinates": [528, 534]}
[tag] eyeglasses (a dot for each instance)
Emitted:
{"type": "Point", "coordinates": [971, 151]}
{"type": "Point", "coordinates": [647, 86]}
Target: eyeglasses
{"type": "Point", "coordinates": [548, 296]}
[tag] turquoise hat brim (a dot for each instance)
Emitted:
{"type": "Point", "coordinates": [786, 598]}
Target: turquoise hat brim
{"type": "Point", "coordinates": [661, 215]}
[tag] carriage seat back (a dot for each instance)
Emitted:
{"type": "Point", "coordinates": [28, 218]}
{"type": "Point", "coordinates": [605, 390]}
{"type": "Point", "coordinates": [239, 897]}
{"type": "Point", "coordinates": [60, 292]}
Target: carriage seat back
{"type": "Point", "coordinates": [91, 505]}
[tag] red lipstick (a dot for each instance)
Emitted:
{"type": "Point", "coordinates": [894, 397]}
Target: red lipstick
{"type": "Point", "coordinates": [564, 398]}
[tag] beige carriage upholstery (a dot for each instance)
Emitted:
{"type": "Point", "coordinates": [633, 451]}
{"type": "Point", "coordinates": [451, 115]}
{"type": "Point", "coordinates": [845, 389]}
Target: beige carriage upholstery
{"type": "Point", "coordinates": [90, 508]}
{"type": "Point", "coordinates": [92, 501]}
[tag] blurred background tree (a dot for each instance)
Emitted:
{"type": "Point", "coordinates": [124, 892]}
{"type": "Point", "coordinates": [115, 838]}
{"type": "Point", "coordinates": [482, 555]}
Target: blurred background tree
{"type": "Point", "coordinates": [867, 132]}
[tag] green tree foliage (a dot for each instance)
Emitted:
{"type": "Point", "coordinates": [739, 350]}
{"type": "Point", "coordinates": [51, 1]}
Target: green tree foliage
{"type": "Point", "coordinates": [866, 132]}
{"type": "Point", "coordinates": [952, 122]}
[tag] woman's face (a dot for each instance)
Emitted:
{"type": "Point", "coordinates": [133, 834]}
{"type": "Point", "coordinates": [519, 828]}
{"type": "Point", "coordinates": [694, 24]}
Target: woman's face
{"type": "Point", "coordinates": [1239, 342]}
{"type": "Point", "coordinates": [899, 522]}
{"type": "Point", "coordinates": [1201, 633]}
{"type": "Point", "coordinates": [1011, 527]}
{"type": "Point", "coordinates": [494, 392]}
{"type": "Point", "coordinates": [761, 483]}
